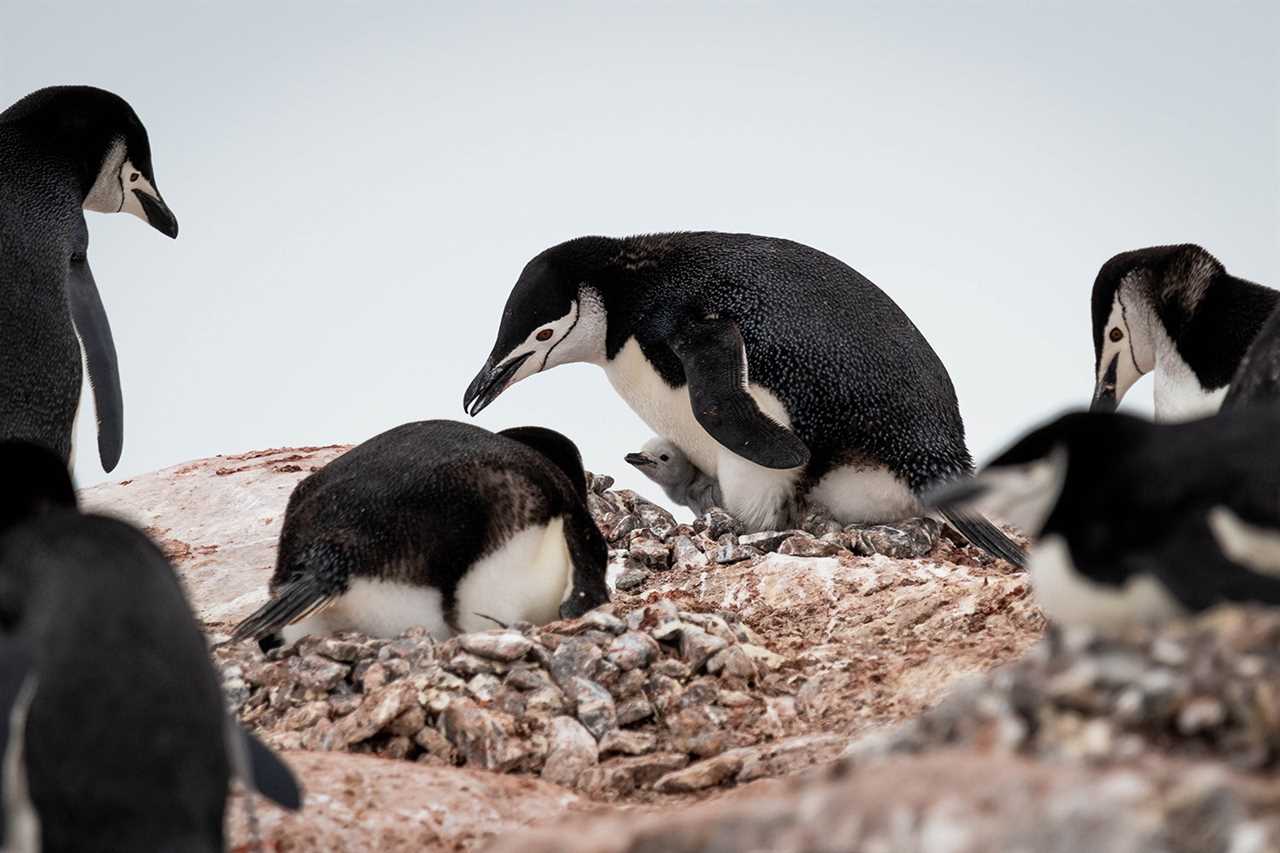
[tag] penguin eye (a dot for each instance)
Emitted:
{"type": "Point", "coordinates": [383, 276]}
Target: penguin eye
{"type": "Point", "coordinates": [1116, 334]}
{"type": "Point", "coordinates": [133, 177]}
{"type": "Point", "coordinates": [544, 335]}
{"type": "Point", "coordinates": [664, 457]}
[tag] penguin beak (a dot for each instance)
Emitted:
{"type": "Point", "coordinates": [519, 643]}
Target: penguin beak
{"type": "Point", "coordinates": [1104, 393]}
{"type": "Point", "coordinates": [489, 383]}
{"type": "Point", "coordinates": [159, 216]}
{"type": "Point", "coordinates": [640, 459]}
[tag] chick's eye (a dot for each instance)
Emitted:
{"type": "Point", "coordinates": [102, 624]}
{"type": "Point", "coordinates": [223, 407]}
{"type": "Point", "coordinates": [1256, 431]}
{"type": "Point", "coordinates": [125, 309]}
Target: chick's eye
{"type": "Point", "coordinates": [1116, 334]}
{"type": "Point", "coordinates": [133, 177]}
{"type": "Point", "coordinates": [544, 335]}
{"type": "Point", "coordinates": [664, 457]}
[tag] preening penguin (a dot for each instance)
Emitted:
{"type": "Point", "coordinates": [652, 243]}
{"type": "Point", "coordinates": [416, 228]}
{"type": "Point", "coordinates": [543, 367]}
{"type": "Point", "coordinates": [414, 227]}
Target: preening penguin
{"type": "Point", "coordinates": [113, 728]}
{"type": "Point", "coordinates": [1139, 521]}
{"type": "Point", "coordinates": [664, 463]}
{"type": "Point", "coordinates": [779, 371]}
{"type": "Point", "coordinates": [438, 524]}
{"type": "Point", "coordinates": [63, 150]}
{"type": "Point", "coordinates": [1173, 310]}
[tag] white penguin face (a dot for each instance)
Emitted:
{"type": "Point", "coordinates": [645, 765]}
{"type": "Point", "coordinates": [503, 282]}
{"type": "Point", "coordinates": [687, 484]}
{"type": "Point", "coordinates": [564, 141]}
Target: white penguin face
{"type": "Point", "coordinates": [663, 462]}
{"type": "Point", "coordinates": [1128, 351]}
{"type": "Point", "coordinates": [1023, 495]}
{"type": "Point", "coordinates": [121, 187]}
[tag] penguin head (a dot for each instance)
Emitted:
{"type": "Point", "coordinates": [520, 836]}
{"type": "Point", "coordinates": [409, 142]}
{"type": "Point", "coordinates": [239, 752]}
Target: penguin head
{"type": "Point", "coordinates": [1139, 298]}
{"type": "Point", "coordinates": [554, 316]}
{"type": "Point", "coordinates": [106, 144]}
{"type": "Point", "coordinates": [664, 463]}
{"type": "Point", "coordinates": [35, 482]}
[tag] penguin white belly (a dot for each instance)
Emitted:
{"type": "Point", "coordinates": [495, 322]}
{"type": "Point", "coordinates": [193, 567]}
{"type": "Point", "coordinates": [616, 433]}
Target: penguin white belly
{"type": "Point", "coordinates": [753, 493]}
{"type": "Point", "coordinates": [1069, 598]}
{"type": "Point", "coordinates": [865, 494]}
{"type": "Point", "coordinates": [1178, 393]}
{"type": "Point", "coordinates": [378, 608]}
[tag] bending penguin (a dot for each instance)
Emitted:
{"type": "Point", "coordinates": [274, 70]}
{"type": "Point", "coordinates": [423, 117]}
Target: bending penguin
{"type": "Point", "coordinates": [664, 463]}
{"type": "Point", "coordinates": [776, 369]}
{"type": "Point", "coordinates": [1140, 522]}
{"type": "Point", "coordinates": [114, 732]}
{"type": "Point", "coordinates": [64, 150]}
{"type": "Point", "coordinates": [436, 524]}
{"type": "Point", "coordinates": [1176, 311]}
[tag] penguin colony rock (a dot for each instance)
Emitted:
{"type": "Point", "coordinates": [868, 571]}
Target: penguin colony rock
{"type": "Point", "coordinates": [1173, 310]}
{"type": "Point", "coordinates": [114, 732]}
{"type": "Point", "coordinates": [63, 150]}
{"type": "Point", "coordinates": [438, 524]}
{"type": "Point", "coordinates": [665, 464]}
{"type": "Point", "coordinates": [778, 370]}
{"type": "Point", "coordinates": [1138, 521]}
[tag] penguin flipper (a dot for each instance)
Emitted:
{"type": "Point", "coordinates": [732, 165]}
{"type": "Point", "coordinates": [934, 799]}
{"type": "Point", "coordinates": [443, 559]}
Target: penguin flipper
{"type": "Point", "coordinates": [16, 661]}
{"type": "Point", "coordinates": [261, 770]}
{"type": "Point", "coordinates": [296, 600]}
{"type": "Point", "coordinates": [981, 532]}
{"type": "Point", "coordinates": [715, 365]}
{"type": "Point", "coordinates": [91, 324]}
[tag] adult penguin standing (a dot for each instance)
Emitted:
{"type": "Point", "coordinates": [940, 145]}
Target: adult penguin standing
{"type": "Point", "coordinates": [777, 369]}
{"type": "Point", "coordinates": [63, 150]}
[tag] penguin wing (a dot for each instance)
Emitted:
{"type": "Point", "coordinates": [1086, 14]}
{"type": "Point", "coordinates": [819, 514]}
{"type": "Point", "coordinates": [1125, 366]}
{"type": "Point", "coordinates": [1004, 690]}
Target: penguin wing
{"type": "Point", "coordinates": [715, 365]}
{"type": "Point", "coordinates": [260, 769]}
{"type": "Point", "coordinates": [100, 353]}
{"type": "Point", "coordinates": [15, 669]}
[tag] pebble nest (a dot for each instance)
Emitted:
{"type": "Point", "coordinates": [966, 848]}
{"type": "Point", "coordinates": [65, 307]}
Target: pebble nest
{"type": "Point", "coordinates": [636, 696]}
{"type": "Point", "coordinates": [1206, 688]}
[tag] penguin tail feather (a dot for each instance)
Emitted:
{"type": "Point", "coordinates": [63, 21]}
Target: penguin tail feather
{"type": "Point", "coordinates": [986, 536]}
{"type": "Point", "coordinates": [296, 600]}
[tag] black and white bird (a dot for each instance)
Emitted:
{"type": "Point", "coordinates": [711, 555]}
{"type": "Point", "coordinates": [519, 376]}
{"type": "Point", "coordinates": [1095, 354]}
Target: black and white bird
{"type": "Point", "coordinates": [114, 732]}
{"type": "Point", "coordinates": [1176, 311]}
{"type": "Point", "coordinates": [64, 150]}
{"type": "Point", "coordinates": [668, 466]}
{"type": "Point", "coordinates": [1139, 521]}
{"type": "Point", "coordinates": [1257, 381]}
{"type": "Point", "coordinates": [778, 370]}
{"type": "Point", "coordinates": [436, 524]}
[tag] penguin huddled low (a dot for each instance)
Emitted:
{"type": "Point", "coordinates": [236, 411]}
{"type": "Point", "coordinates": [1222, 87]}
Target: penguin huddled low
{"type": "Point", "coordinates": [665, 464]}
{"type": "Point", "coordinates": [776, 369]}
{"type": "Point", "coordinates": [114, 732]}
{"type": "Point", "coordinates": [436, 524]}
{"type": "Point", "coordinates": [64, 150]}
{"type": "Point", "coordinates": [1176, 311]}
{"type": "Point", "coordinates": [1140, 522]}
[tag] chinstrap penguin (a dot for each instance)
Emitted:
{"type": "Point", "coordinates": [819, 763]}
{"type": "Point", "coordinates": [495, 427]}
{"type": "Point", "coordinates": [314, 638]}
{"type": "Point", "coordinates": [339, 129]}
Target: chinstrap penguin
{"type": "Point", "coordinates": [64, 150]}
{"type": "Point", "coordinates": [436, 524]}
{"type": "Point", "coordinates": [1140, 522]}
{"type": "Point", "coordinates": [1176, 311]}
{"type": "Point", "coordinates": [1257, 381]}
{"type": "Point", "coordinates": [114, 733]}
{"type": "Point", "coordinates": [667, 465]}
{"type": "Point", "coordinates": [779, 371]}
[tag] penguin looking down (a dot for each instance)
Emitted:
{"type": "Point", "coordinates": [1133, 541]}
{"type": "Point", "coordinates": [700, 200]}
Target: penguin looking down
{"type": "Point", "coordinates": [779, 371]}
{"type": "Point", "coordinates": [1140, 522]}
{"type": "Point", "coordinates": [113, 728]}
{"type": "Point", "coordinates": [664, 463]}
{"type": "Point", "coordinates": [1258, 379]}
{"type": "Point", "coordinates": [64, 150]}
{"type": "Point", "coordinates": [436, 524]}
{"type": "Point", "coordinates": [1173, 310]}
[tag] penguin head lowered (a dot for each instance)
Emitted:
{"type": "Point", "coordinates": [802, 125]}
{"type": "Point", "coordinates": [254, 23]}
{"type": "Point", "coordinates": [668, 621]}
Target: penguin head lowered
{"type": "Point", "coordinates": [1145, 305]}
{"type": "Point", "coordinates": [103, 140]}
{"type": "Point", "coordinates": [554, 316]}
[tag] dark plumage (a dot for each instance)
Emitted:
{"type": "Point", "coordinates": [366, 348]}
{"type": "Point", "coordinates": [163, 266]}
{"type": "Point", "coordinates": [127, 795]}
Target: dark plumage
{"type": "Point", "coordinates": [420, 505]}
{"type": "Point", "coordinates": [1258, 379]}
{"type": "Point", "coordinates": [63, 149]}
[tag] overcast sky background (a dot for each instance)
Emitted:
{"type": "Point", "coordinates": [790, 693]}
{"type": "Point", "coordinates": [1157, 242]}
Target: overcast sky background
{"type": "Point", "coordinates": [359, 185]}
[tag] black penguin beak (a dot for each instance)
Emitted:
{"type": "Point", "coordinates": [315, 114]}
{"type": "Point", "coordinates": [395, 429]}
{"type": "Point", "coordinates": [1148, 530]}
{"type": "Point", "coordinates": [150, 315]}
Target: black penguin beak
{"type": "Point", "coordinates": [639, 459]}
{"type": "Point", "coordinates": [159, 216]}
{"type": "Point", "coordinates": [1104, 393]}
{"type": "Point", "coordinates": [489, 383]}
{"type": "Point", "coordinates": [957, 493]}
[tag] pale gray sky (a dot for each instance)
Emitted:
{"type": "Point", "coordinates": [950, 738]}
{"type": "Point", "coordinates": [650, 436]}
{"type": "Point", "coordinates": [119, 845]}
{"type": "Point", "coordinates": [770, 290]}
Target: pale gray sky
{"type": "Point", "coordinates": [358, 185]}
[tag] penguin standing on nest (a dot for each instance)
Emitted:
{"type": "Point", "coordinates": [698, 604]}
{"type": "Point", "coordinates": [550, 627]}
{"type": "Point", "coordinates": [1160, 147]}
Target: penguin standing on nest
{"type": "Point", "coordinates": [64, 150]}
{"type": "Point", "coordinates": [114, 733]}
{"type": "Point", "coordinates": [779, 371]}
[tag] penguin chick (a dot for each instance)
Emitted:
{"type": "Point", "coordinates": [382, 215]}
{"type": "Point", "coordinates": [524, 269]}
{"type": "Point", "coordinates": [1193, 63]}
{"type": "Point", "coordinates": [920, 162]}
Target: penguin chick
{"type": "Point", "coordinates": [1173, 310]}
{"type": "Point", "coordinates": [113, 728]}
{"type": "Point", "coordinates": [664, 463]}
{"type": "Point", "coordinates": [436, 524]}
{"type": "Point", "coordinates": [1140, 522]}
{"type": "Point", "coordinates": [779, 371]}
{"type": "Point", "coordinates": [64, 150]}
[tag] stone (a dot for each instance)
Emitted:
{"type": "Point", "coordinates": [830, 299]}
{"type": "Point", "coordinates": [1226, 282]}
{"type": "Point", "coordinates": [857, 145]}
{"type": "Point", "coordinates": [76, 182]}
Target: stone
{"type": "Point", "coordinates": [650, 553]}
{"type": "Point", "coordinates": [321, 674]}
{"type": "Point", "coordinates": [571, 751]}
{"type": "Point", "coordinates": [545, 701]}
{"type": "Point", "coordinates": [657, 519]}
{"type": "Point", "coordinates": [575, 657]}
{"type": "Point", "coordinates": [807, 546]}
{"type": "Point", "coordinates": [633, 650]}
{"type": "Point", "coordinates": [628, 742]}
{"type": "Point", "coordinates": [593, 705]}
{"type": "Point", "coordinates": [732, 662]}
{"type": "Point", "coordinates": [339, 649]}
{"type": "Point", "coordinates": [765, 540]}
{"type": "Point", "coordinates": [704, 774]}
{"type": "Point", "coordinates": [603, 620]}
{"type": "Point", "coordinates": [501, 645]}
{"type": "Point", "coordinates": [685, 554]}
{"type": "Point", "coordinates": [631, 579]}
{"type": "Point", "coordinates": [728, 554]}
{"type": "Point", "coordinates": [484, 686]}
{"type": "Point", "coordinates": [379, 708]}
{"type": "Point", "coordinates": [633, 710]}
{"type": "Point", "coordinates": [618, 777]}
{"type": "Point", "coordinates": [482, 737]}
{"type": "Point", "coordinates": [696, 646]}
{"type": "Point", "coordinates": [716, 522]}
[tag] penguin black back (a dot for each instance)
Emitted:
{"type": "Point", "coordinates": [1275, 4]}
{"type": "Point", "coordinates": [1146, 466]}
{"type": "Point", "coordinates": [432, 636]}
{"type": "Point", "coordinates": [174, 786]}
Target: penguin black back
{"type": "Point", "coordinates": [1258, 379]}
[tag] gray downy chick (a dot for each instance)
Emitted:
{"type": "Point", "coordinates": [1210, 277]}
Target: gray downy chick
{"type": "Point", "coordinates": [669, 467]}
